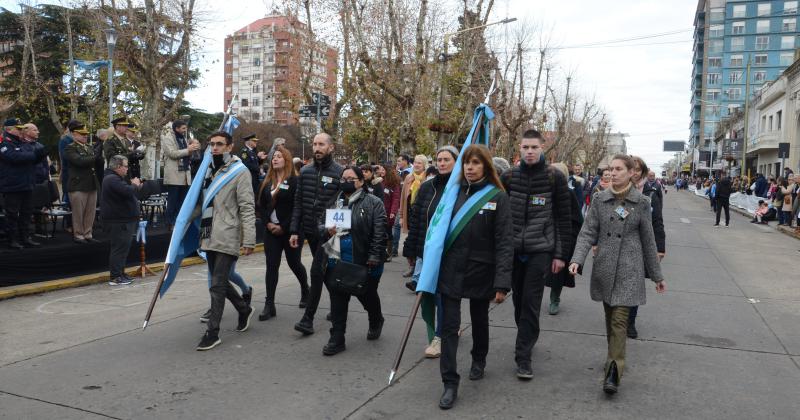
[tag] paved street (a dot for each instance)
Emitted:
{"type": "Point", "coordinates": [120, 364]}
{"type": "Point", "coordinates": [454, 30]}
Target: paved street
{"type": "Point", "coordinates": [724, 342]}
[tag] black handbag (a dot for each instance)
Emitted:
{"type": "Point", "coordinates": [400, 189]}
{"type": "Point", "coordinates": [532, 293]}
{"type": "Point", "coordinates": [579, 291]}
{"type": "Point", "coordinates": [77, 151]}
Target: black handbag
{"type": "Point", "coordinates": [345, 277]}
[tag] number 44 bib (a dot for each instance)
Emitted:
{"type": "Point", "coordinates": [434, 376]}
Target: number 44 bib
{"type": "Point", "coordinates": [341, 218]}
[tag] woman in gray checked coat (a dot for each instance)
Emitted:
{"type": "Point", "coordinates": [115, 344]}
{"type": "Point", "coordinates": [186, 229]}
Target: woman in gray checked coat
{"type": "Point", "coordinates": [619, 224]}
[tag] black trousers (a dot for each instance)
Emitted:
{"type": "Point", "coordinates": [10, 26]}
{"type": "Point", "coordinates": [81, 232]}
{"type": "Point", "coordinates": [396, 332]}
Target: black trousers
{"type": "Point", "coordinates": [18, 207]}
{"type": "Point", "coordinates": [274, 246]}
{"type": "Point", "coordinates": [317, 275]}
{"type": "Point", "coordinates": [219, 264]}
{"type": "Point", "coordinates": [119, 233]}
{"type": "Point", "coordinates": [339, 306]}
{"type": "Point", "coordinates": [528, 280]}
{"type": "Point", "coordinates": [724, 203]}
{"type": "Point", "coordinates": [451, 322]}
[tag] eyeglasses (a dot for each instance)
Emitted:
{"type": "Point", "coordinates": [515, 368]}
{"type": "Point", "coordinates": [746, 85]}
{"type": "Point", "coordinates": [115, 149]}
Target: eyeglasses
{"type": "Point", "coordinates": [217, 144]}
{"type": "Point", "coordinates": [348, 180]}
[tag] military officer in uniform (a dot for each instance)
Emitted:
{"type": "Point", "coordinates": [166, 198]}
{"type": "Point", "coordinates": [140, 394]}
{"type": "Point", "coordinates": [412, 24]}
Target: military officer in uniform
{"type": "Point", "coordinates": [117, 144]}
{"type": "Point", "coordinates": [252, 158]}
{"type": "Point", "coordinates": [136, 151]}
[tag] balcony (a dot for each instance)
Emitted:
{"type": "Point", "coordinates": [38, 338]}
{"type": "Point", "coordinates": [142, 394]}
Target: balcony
{"type": "Point", "coordinates": [765, 140]}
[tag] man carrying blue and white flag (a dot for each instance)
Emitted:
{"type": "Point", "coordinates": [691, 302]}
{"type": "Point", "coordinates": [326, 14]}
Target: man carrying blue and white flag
{"type": "Point", "coordinates": [227, 212]}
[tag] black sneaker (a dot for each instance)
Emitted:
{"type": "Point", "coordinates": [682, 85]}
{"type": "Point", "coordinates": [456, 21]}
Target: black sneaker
{"type": "Point", "coordinates": [411, 285]}
{"type": "Point", "coordinates": [208, 342]}
{"type": "Point", "coordinates": [119, 281]}
{"type": "Point", "coordinates": [244, 319]}
{"type": "Point", "coordinates": [205, 316]}
{"type": "Point", "coordinates": [374, 331]}
{"type": "Point", "coordinates": [29, 243]}
{"type": "Point", "coordinates": [15, 245]}
{"type": "Point", "coordinates": [305, 326]}
{"type": "Point", "coordinates": [248, 296]}
{"type": "Point", "coordinates": [524, 371]}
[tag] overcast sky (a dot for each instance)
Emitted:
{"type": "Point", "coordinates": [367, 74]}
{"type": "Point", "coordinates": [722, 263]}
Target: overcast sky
{"type": "Point", "coordinates": [644, 85]}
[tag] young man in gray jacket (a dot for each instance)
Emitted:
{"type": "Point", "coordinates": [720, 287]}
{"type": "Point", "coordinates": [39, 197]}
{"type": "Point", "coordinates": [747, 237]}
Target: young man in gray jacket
{"type": "Point", "coordinates": [227, 222]}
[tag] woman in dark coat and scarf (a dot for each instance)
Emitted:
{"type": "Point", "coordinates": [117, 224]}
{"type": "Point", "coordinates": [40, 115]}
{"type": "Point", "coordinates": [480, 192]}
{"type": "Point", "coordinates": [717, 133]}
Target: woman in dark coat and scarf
{"type": "Point", "coordinates": [556, 282]}
{"type": "Point", "coordinates": [363, 244]}
{"type": "Point", "coordinates": [477, 266]}
{"type": "Point", "coordinates": [652, 191]}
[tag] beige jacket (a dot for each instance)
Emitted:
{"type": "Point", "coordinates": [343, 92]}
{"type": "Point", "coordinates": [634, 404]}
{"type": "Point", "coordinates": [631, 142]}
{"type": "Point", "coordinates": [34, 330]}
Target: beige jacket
{"type": "Point", "coordinates": [172, 160]}
{"type": "Point", "coordinates": [234, 222]}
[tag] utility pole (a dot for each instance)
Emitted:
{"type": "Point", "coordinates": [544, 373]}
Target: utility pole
{"type": "Point", "coordinates": [746, 121]}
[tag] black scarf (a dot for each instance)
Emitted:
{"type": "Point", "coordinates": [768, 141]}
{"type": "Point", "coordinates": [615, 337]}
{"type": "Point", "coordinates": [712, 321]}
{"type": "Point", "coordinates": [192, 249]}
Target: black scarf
{"type": "Point", "coordinates": [185, 164]}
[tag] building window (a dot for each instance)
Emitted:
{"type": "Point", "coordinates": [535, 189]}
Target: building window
{"type": "Point", "coordinates": [715, 62]}
{"type": "Point", "coordinates": [245, 102]}
{"type": "Point", "coordinates": [735, 77]}
{"type": "Point", "coordinates": [256, 102]}
{"type": "Point", "coordinates": [712, 94]}
{"type": "Point", "coordinates": [733, 108]}
{"type": "Point", "coordinates": [789, 25]}
{"type": "Point", "coordinates": [715, 31]}
{"type": "Point", "coordinates": [761, 60]}
{"type": "Point", "coordinates": [739, 11]}
{"type": "Point", "coordinates": [760, 76]}
{"type": "Point", "coordinates": [736, 60]}
{"type": "Point", "coordinates": [256, 116]}
{"type": "Point", "coordinates": [764, 9]}
{"type": "Point", "coordinates": [787, 59]}
{"type": "Point", "coordinates": [712, 78]}
{"type": "Point", "coordinates": [737, 44]}
{"type": "Point", "coordinates": [769, 126]}
{"type": "Point", "coordinates": [778, 116]}
{"type": "Point", "coordinates": [762, 43]}
{"type": "Point", "coordinates": [270, 58]}
{"type": "Point", "coordinates": [269, 113]}
{"type": "Point", "coordinates": [256, 76]}
{"type": "Point", "coordinates": [256, 61]}
{"type": "Point", "coordinates": [763, 124]}
{"type": "Point", "coordinates": [787, 42]}
{"type": "Point", "coordinates": [734, 94]}
{"type": "Point", "coordinates": [762, 26]}
{"type": "Point", "coordinates": [789, 7]}
{"type": "Point", "coordinates": [737, 28]}
{"type": "Point", "coordinates": [256, 88]}
{"type": "Point", "coordinates": [713, 111]}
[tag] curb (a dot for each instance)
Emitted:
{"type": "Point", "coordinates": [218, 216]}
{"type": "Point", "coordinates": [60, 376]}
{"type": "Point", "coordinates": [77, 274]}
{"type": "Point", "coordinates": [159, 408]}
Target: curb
{"type": "Point", "coordinates": [781, 229]}
{"type": "Point", "coordinates": [88, 279]}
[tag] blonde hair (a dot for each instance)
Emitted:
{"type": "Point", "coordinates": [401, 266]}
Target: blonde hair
{"type": "Point", "coordinates": [561, 167]}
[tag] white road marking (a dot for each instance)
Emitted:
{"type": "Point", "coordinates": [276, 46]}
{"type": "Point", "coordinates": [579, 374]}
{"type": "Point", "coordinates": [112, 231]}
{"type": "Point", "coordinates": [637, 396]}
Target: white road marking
{"type": "Point", "coordinates": [685, 220]}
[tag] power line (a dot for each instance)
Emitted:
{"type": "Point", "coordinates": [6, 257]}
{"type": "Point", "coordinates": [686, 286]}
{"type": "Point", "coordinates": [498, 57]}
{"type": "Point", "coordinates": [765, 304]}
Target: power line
{"type": "Point", "coordinates": [633, 38]}
{"type": "Point", "coordinates": [625, 45]}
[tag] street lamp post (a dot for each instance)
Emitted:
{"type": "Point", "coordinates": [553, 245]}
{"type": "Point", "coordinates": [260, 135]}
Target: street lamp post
{"type": "Point", "coordinates": [111, 41]}
{"type": "Point", "coordinates": [443, 60]}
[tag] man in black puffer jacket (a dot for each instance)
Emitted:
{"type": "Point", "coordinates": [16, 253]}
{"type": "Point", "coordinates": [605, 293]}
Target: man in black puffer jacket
{"type": "Point", "coordinates": [317, 185]}
{"type": "Point", "coordinates": [540, 209]}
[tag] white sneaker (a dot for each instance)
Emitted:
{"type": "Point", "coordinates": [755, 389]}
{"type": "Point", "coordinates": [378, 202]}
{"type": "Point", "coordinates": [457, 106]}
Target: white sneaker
{"type": "Point", "coordinates": [727, 226]}
{"type": "Point", "coordinates": [434, 350]}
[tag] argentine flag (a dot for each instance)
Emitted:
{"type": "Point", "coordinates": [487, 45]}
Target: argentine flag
{"type": "Point", "coordinates": [231, 124]}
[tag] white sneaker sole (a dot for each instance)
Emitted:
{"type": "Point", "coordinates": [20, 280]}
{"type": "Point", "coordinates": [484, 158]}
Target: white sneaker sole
{"type": "Point", "coordinates": [211, 346]}
{"type": "Point", "coordinates": [246, 326]}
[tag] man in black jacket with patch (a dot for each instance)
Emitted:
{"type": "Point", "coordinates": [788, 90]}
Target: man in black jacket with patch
{"type": "Point", "coordinates": [540, 210]}
{"type": "Point", "coordinates": [317, 185]}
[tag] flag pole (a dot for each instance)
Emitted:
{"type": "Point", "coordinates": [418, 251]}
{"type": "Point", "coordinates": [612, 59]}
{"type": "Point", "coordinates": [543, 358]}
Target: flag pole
{"type": "Point", "coordinates": [228, 111]}
{"type": "Point", "coordinates": [406, 333]}
{"type": "Point", "coordinates": [155, 296]}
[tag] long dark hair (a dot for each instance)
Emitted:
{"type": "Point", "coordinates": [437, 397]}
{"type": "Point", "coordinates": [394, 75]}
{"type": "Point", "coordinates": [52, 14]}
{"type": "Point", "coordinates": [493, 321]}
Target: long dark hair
{"type": "Point", "coordinates": [483, 154]}
{"type": "Point", "coordinates": [391, 179]}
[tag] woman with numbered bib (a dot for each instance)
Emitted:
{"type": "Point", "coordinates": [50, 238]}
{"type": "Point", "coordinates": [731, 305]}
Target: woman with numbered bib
{"type": "Point", "coordinates": [476, 264]}
{"type": "Point", "coordinates": [354, 238]}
